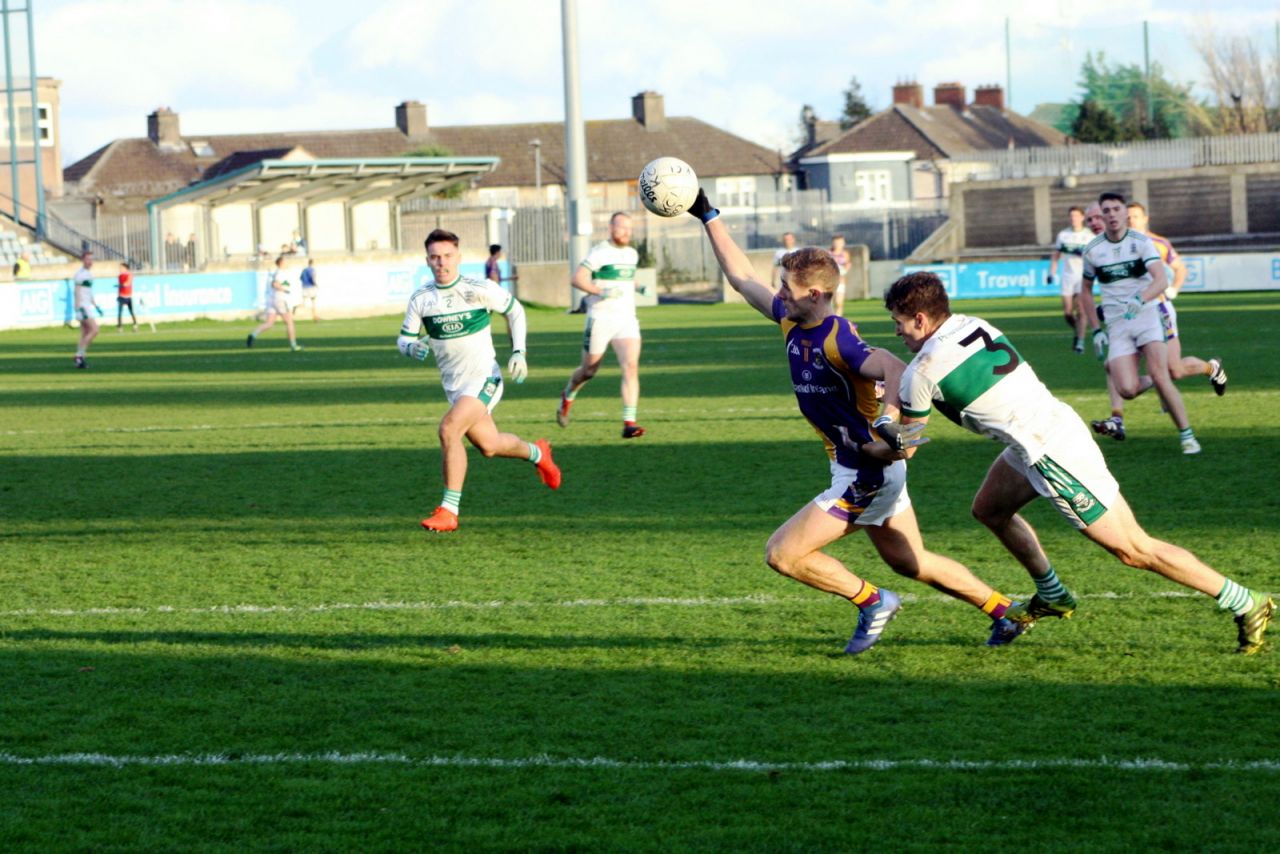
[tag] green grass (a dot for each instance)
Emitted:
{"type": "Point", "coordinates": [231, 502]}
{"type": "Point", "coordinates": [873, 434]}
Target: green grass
{"type": "Point", "coordinates": [196, 538]}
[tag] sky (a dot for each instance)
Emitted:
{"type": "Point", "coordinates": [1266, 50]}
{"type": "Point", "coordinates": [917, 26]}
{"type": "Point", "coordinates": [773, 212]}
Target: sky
{"type": "Point", "coordinates": [238, 66]}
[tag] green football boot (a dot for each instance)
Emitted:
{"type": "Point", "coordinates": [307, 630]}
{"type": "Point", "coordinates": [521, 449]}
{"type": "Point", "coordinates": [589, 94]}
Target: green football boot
{"type": "Point", "coordinates": [1253, 625]}
{"type": "Point", "coordinates": [1037, 607]}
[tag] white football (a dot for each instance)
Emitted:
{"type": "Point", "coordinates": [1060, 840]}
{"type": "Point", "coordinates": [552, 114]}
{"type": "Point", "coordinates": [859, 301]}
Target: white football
{"type": "Point", "coordinates": [668, 186]}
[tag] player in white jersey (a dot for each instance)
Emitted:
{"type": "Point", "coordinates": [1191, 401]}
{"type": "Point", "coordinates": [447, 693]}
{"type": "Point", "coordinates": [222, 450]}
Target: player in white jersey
{"type": "Point", "coordinates": [277, 295]}
{"type": "Point", "coordinates": [608, 277]}
{"type": "Point", "coordinates": [1069, 247]}
{"type": "Point", "coordinates": [970, 372]}
{"type": "Point", "coordinates": [1131, 278]}
{"type": "Point", "coordinates": [87, 311]}
{"type": "Point", "coordinates": [451, 317]}
{"type": "Point", "coordinates": [788, 246]}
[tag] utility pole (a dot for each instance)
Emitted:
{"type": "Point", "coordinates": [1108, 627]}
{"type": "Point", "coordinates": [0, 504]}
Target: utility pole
{"type": "Point", "coordinates": [1008, 65]}
{"type": "Point", "coordinates": [575, 144]}
{"type": "Point", "coordinates": [1146, 71]}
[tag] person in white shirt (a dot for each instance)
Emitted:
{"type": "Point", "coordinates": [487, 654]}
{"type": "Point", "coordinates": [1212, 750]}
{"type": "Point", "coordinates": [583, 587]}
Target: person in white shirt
{"type": "Point", "coordinates": [87, 311]}
{"type": "Point", "coordinates": [608, 277]}
{"type": "Point", "coordinates": [277, 298]}
{"type": "Point", "coordinates": [1069, 247]}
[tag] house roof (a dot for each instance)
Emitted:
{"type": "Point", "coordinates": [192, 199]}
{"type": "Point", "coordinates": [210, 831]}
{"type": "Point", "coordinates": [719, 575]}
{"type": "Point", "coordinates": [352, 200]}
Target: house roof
{"type": "Point", "coordinates": [939, 132]}
{"type": "Point", "coordinates": [616, 151]}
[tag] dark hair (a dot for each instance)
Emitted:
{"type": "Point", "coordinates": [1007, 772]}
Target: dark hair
{"type": "Point", "coordinates": [1076, 208]}
{"type": "Point", "coordinates": [279, 260]}
{"type": "Point", "coordinates": [124, 264]}
{"type": "Point", "coordinates": [439, 235]}
{"type": "Point", "coordinates": [812, 267]}
{"type": "Point", "coordinates": [917, 293]}
{"type": "Point", "coordinates": [1138, 205]}
{"type": "Point", "coordinates": [1111, 197]}
{"type": "Point", "coordinates": [495, 248]}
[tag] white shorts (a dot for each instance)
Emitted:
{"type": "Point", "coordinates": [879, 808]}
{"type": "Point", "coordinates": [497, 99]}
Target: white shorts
{"type": "Point", "coordinates": [309, 294]}
{"type": "Point", "coordinates": [1070, 285]}
{"type": "Point", "coordinates": [486, 389]}
{"type": "Point", "coordinates": [1168, 319]}
{"type": "Point", "coordinates": [83, 314]}
{"type": "Point", "coordinates": [869, 497]}
{"type": "Point", "coordinates": [1127, 337]}
{"type": "Point", "coordinates": [605, 328]}
{"type": "Point", "coordinates": [279, 303]}
{"type": "Point", "coordinates": [1072, 473]}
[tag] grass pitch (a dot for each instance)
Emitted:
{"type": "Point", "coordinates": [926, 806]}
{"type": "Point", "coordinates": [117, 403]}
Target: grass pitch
{"type": "Point", "coordinates": [222, 628]}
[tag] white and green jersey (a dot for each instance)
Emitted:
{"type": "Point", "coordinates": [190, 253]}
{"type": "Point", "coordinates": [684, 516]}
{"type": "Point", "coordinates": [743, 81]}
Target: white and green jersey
{"type": "Point", "coordinates": [1119, 267]}
{"type": "Point", "coordinates": [613, 268]}
{"type": "Point", "coordinates": [972, 374]}
{"type": "Point", "coordinates": [84, 288]}
{"type": "Point", "coordinates": [455, 317]}
{"type": "Point", "coordinates": [1072, 244]}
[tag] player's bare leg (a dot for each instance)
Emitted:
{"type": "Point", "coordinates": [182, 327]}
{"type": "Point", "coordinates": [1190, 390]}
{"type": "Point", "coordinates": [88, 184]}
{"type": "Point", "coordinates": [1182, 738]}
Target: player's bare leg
{"type": "Point", "coordinates": [293, 334]}
{"type": "Point", "coordinates": [88, 331]}
{"type": "Point", "coordinates": [1157, 356]}
{"type": "Point", "coordinates": [628, 352]}
{"type": "Point", "coordinates": [902, 547]}
{"type": "Point", "coordinates": [1003, 493]}
{"type": "Point", "coordinates": [1119, 533]}
{"type": "Point", "coordinates": [795, 550]}
{"type": "Point", "coordinates": [587, 369]}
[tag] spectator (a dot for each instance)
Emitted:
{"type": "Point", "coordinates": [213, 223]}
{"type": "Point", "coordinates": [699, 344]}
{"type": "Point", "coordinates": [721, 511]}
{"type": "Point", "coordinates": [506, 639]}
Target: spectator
{"type": "Point", "coordinates": [310, 290]}
{"type": "Point", "coordinates": [124, 297]}
{"type": "Point", "coordinates": [172, 252]}
{"type": "Point", "coordinates": [22, 267]}
{"type": "Point", "coordinates": [189, 257]}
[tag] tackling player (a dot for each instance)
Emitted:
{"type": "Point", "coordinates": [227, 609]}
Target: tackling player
{"type": "Point", "coordinates": [971, 373]}
{"type": "Point", "coordinates": [834, 372]}
{"type": "Point", "coordinates": [608, 277]}
{"type": "Point", "coordinates": [1131, 278]}
{"type": "Point", "coordinates": [451, 317]}
{"type": "Point", "coordinates": [1179, 366]}
{"type": "Point", "coordinates": [86, 308]}
{"type": "Point", "coordinates": [1070, 247]}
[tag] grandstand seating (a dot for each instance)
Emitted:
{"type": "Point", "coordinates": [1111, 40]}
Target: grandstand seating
{"type": "Point", "coordinates": [12, 245]}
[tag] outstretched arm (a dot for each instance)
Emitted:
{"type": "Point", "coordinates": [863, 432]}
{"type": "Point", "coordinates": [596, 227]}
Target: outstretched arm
{"type": "Point", "coordinates": [733, 261]}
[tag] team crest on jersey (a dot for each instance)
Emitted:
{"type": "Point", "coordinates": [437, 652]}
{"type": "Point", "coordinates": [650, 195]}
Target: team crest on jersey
{"type": "Point", "coordinates": [817, 361]}
{"type": "Point", "coordinates": [1082, 502]}
{"type": "Point", "coordinates": [471, 298]}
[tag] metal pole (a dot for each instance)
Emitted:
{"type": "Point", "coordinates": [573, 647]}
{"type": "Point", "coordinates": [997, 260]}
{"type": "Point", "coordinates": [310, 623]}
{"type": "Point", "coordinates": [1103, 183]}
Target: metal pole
{"type": "Point", "coordinates": [1146, 70]}
{"type": "Point", "coordinates": [537, 166]}
{"type": "Point", "coordinates": [1008, 65]}
{"type": "Point", "coordinates": [13, 119]}
{"type": "Point", "coordinates": [35, 122]}
{"type": "Point", "coordinates": [575, 145]}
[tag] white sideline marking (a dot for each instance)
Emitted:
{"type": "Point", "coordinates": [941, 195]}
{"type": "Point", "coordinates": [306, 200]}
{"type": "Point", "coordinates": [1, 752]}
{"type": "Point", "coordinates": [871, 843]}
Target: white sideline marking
{"type": "Point", "coordinates": [697, 602]}
{"type": "Point", "coordinates": [546, 761]}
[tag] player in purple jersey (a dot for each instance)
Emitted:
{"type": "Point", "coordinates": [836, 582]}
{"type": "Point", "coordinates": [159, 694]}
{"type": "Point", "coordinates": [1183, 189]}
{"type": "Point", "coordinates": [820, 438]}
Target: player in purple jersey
{"type": "Point", "coordinates": [834, 375]}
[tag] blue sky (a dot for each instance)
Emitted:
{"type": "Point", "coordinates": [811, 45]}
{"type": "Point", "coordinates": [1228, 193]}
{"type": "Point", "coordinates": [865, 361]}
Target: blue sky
{"type": "Point", "coordinates": [236, 66]}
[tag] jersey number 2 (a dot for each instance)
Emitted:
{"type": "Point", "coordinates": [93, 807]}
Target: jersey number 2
{"type": "Point", "coordinates": [998, 370]}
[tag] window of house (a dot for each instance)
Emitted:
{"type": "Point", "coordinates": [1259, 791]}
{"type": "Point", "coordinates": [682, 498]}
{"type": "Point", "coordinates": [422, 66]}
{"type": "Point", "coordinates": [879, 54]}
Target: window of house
{"type": "Point", "coordinates": [44, 124]}
{"type": "Point", "coordinates": [202, 148]}
{"type": "Point", "coordinates": [874, 185]}
{"type": "Point", "coordinates": [736, 192]}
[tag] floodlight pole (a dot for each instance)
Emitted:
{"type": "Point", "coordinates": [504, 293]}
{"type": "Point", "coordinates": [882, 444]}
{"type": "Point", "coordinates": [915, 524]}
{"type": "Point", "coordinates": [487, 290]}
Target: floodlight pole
{"type": "Point", "coordinates": [575, 145]}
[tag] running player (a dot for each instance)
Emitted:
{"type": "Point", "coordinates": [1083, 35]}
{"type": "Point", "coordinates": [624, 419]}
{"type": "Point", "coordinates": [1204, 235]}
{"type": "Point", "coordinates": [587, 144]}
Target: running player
{"type": "Point", "coordinates": [277, 294]}
{"type": "Point", "coordinates": [1132, 278]}
{"type": "Point", "coordinates": [833, 372]}
{"type": "Point", "coordinates": [87, 311]}
{"type": "Point", "coordinates": [453, 312]}
{"type": "Point", "coordinates": [608, 277]}
{"type": "Point", "coordinates": [788, 246]}
{"type": "Point", "coordinates": [971, 373]}
{"type": "Point", "coordinates": [1070, 247]}
{"type": "Point", "coordinates": [841, 256]}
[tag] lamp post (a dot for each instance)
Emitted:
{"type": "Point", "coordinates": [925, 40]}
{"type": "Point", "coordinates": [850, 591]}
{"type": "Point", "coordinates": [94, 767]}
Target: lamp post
{"type": "Point", "coordinates": [537, 166]}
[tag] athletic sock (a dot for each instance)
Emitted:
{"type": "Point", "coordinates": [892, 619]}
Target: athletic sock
{"type": "Point", "coordinates": [535, 453]}
{"type": "Point", "coordinates": [1186, 434]}
{"type": "Point", "coordinates": [997, 605]}
{"type": "Point", "coordinates": [569, 392]}
{"type": "Point", "coordinates": [1049, 587]}
{"type": "Point", "coordinates": [867, 597]}
{"type": "Point", "coordinates": [452, 498]}
{"type": "Point", "coordinates": [1117, 415]}
{"type": "Point", "coordinates": [629, 414]}
{"type": "Point", "coordinates": [1235, 598]}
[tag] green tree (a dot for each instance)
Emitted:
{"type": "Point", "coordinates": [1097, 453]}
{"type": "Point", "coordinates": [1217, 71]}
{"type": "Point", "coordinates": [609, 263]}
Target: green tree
{"type": "Point", "coordinates": [1093, 123]}
{"type": "Point", "coordinates": [453, 191]}
{"type": "Point", "coordinates": [855, 105]}
{"type": "Point", "coordinates": [1160, 110]}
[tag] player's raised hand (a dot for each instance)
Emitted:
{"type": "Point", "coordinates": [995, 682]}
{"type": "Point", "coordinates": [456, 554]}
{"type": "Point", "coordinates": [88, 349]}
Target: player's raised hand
{"type": "Point", "coordinates": [518, 367]}
{"type": "Point", "coordinates": [1100, 343]}
{"type": "Point", "coordinates": [900, 436]}
{"type": "Point", "coordinates": [702, 209]}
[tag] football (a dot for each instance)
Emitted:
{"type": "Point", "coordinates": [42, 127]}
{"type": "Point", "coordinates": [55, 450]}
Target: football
{"type": "Point", "coordinates": [668, 186]}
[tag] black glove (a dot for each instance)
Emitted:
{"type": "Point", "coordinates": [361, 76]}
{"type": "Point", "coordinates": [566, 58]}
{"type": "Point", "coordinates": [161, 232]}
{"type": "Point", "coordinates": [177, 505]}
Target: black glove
{"type": "Point", "coordinates": [898, 436]}
{"type": "Point", "coordinates": [701, 208]}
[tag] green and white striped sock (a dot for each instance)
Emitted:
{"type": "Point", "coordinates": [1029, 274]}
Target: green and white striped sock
{"type": "Point", "coordinates": [535, 453]}
{"type": "Point", "coordinates": [1235, 598]}
{"type": "Point", "coordinates": [1187, 434]}
{"type": "Point", "coordinates": [629, 414]}
{"type": "Point", "coordinates": [1049, 587]}
{"type": "Point", "coordinates": [452, 498]}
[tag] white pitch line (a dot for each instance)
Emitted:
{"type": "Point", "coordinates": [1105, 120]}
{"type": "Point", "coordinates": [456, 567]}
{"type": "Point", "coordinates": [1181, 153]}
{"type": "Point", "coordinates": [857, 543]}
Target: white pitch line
{"type": "Point", "coordinates": [601, 762]}
{"type": "Point", "coordinates": [498, 604]}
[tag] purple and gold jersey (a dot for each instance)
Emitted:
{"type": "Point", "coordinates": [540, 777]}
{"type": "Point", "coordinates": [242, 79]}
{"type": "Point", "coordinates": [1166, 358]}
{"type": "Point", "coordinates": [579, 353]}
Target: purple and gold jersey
{"type": "Point", "coordinates": [834, 397]}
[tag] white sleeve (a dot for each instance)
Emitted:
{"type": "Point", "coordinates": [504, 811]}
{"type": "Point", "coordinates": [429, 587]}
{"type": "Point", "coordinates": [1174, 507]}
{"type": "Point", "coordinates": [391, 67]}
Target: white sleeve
{"type": "Point", "coordinates": [412, 320]}
{"type": "Point", "coordinates": [517, 323]}
{"type": "Point", "coordinates": [916, 394]}
{"type": "Point", "coordinates": [592, 261]}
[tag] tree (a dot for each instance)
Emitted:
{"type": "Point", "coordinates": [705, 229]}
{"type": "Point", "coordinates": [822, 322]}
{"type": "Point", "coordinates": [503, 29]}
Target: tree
{"type": "Point", "coordinates": [855, 105]}
{"type": "Point", "coordinates": [1242, 85]}
{"type": "Point", "coordinates": [1160, 109]}
{"type": "Point", "coordinates": [1094, 123]}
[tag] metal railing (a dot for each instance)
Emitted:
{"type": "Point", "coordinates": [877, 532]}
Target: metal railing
{"type": "Point", "coordinates": [1107, 158]}
{"type": "Point", "coordinates": [52, 230]}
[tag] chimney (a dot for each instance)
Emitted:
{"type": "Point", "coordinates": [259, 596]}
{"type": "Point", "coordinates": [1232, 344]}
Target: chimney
{"type": "Point", "coordinates": [647, 109]}
{"type": "Point", "coordinates": [989, 96]}
{"type": "Point", "coordinates": [949, 94]}
{"type": "Point", "coordinates": [411, 119]}
{"type": "Point", "coordinates": [162, 128]}
{"type": "Point", "coordinates": [810, 119]}
{"type": "Point", "coordinates": [910, 94]}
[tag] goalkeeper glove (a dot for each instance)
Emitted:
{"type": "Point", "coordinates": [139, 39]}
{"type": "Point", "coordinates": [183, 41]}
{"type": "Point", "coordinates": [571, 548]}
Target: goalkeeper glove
{"type": "Point", "coordinates": [1133, 306]}
{"type": "Point", "coordinates": [898, 436]}
{"type": "Point", "coordinates": [1100, 343]}
{"type": "Point", "coordinates": [517, 366]}
{"type": "Point", "coordinates": [414, 348]}
{"type": "Point", "coordinates": [701, 208]}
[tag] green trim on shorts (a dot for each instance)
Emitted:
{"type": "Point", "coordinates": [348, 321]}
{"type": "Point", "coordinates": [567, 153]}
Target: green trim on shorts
{"type": "Point", "coordinates": [1083, 504]}
{"type": "Point", "coordinates": [490, 388]}
{"type": "Point", "coordinates": [586, 336]}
